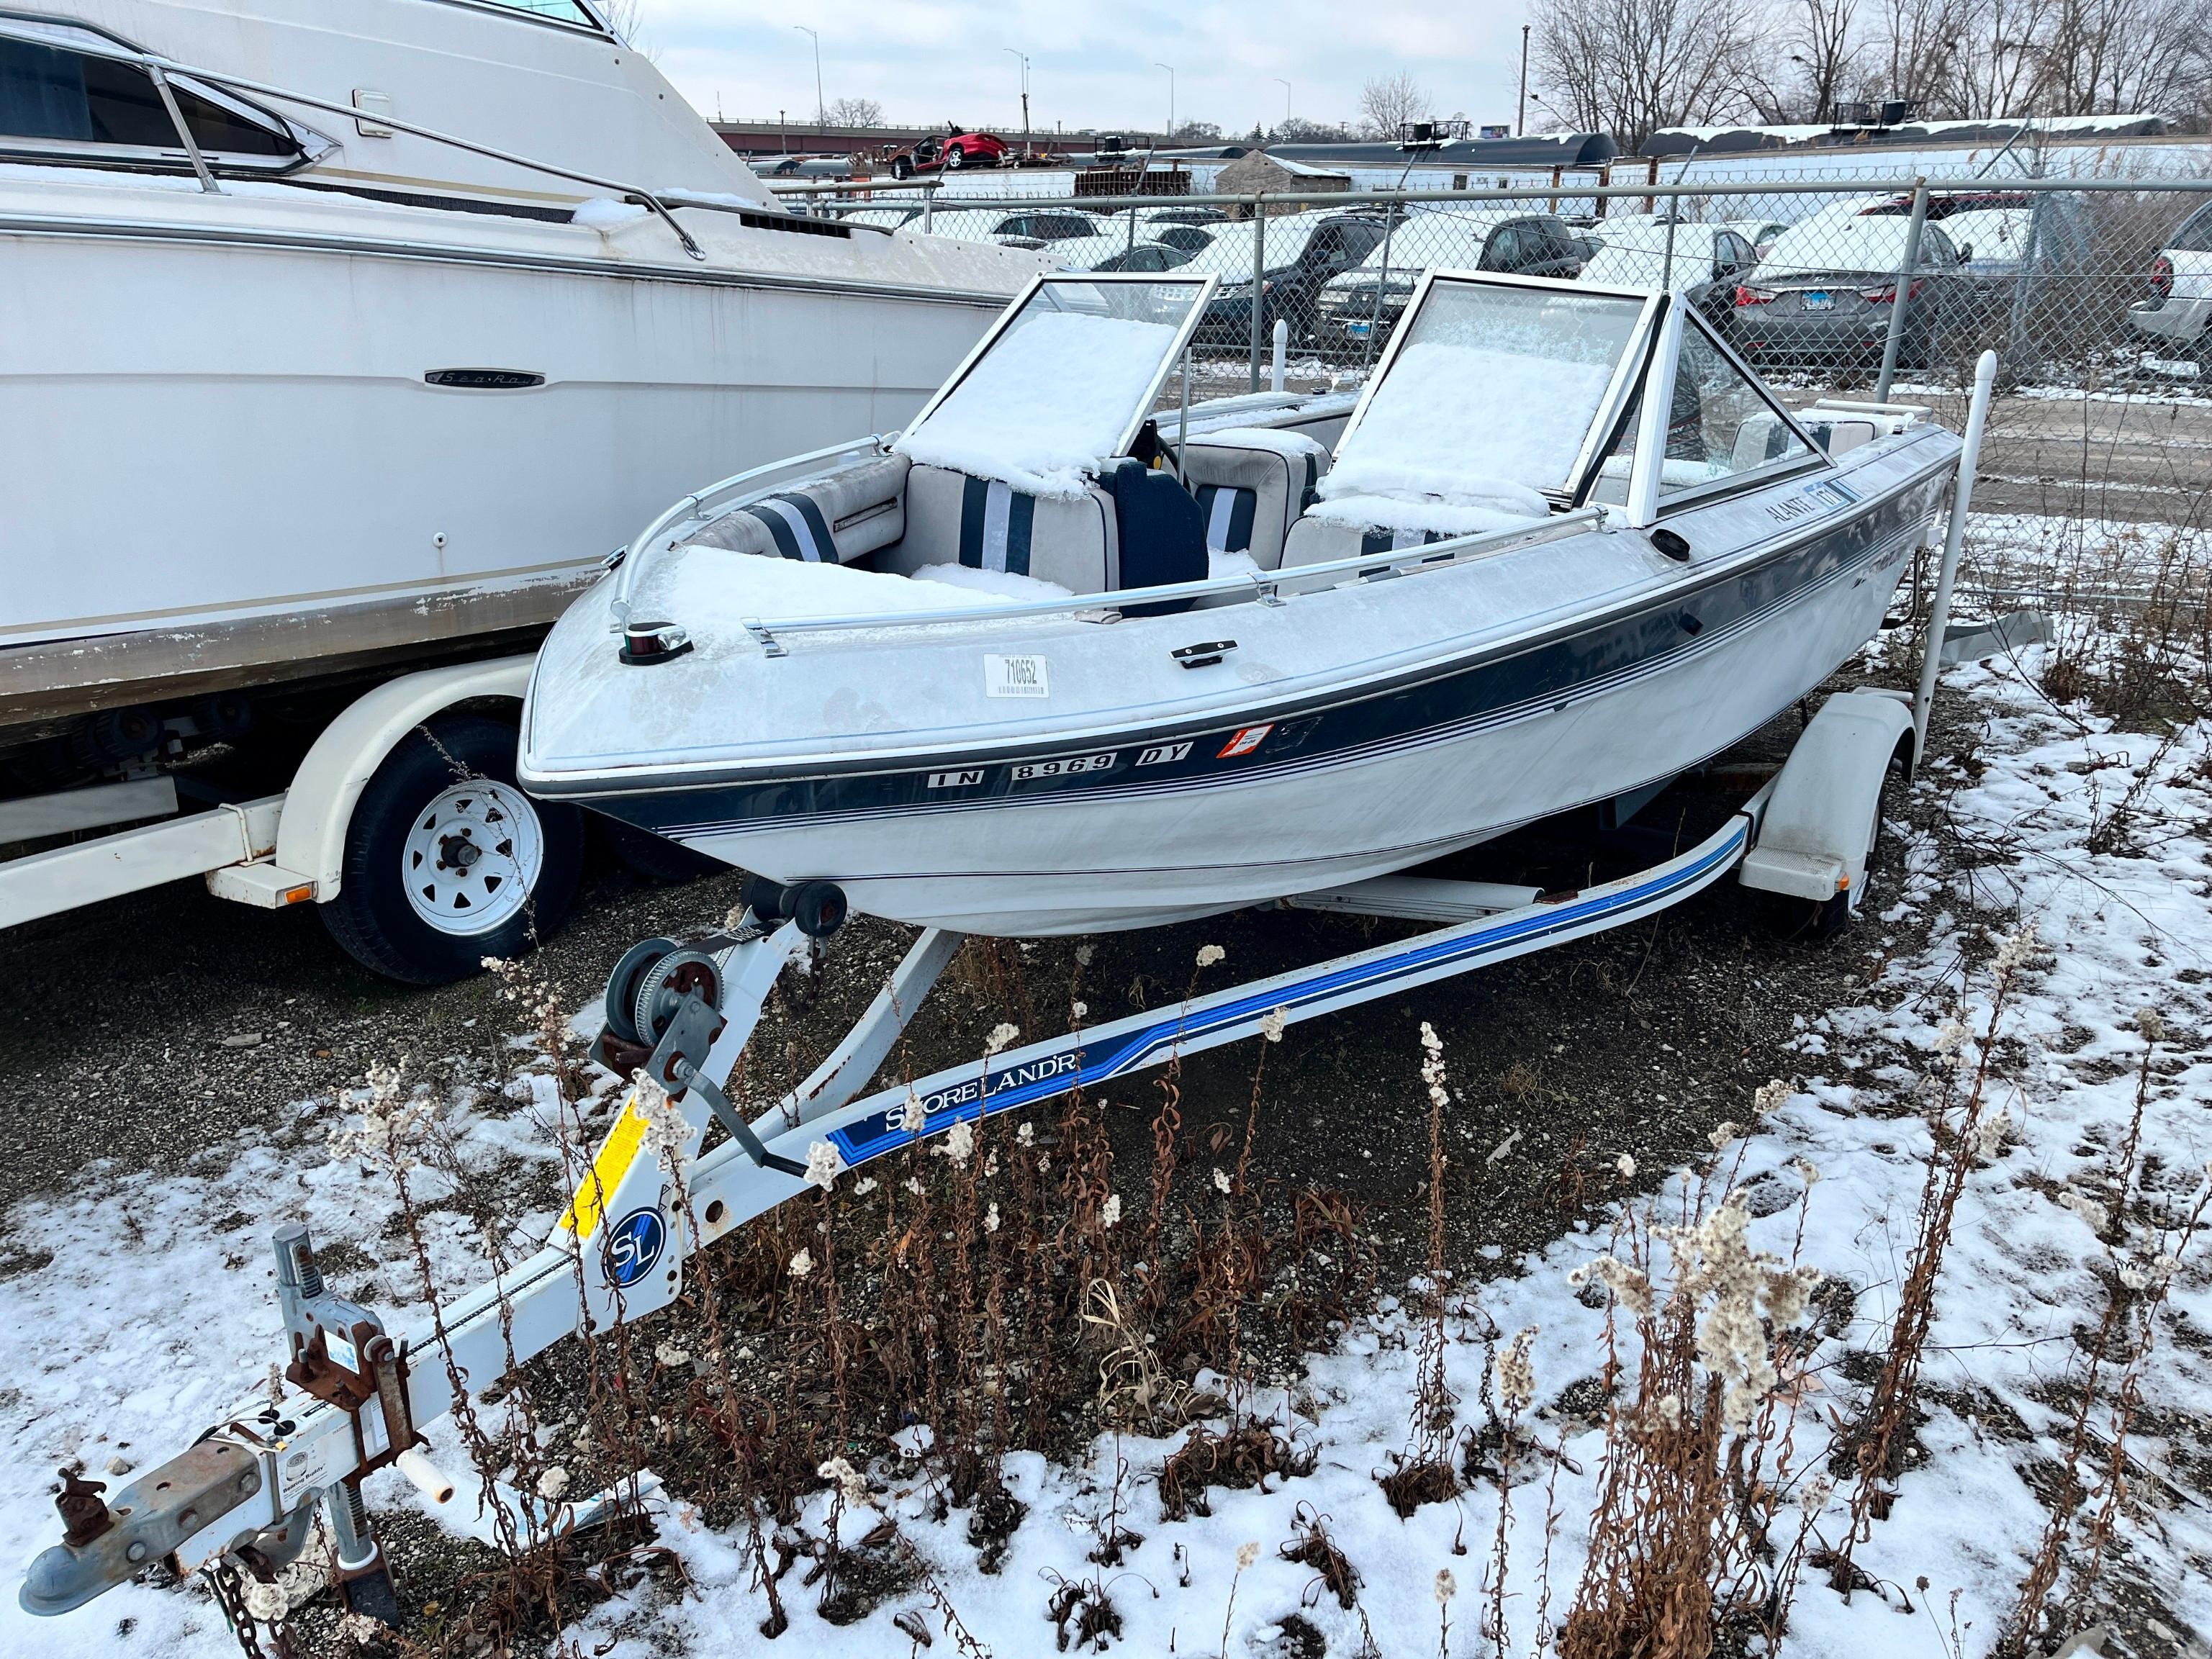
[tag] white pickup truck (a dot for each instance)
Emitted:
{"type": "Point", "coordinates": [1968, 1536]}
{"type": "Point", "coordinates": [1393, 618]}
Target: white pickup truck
{"type": "Point", "coordinates": [2179, 311]}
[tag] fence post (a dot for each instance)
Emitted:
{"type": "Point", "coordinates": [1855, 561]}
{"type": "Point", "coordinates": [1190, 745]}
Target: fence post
{"type": "Point", "coordinates": [1901, 300]}
{"type": "Point", "coordinates": [1954, 538]}
{"type": "Point", "coordinates": [928, 207]}
{"type": "Point", "coordinates": [1259, 276]}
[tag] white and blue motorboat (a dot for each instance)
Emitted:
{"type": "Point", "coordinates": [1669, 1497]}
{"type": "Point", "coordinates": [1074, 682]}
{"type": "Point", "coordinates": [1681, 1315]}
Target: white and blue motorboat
{"type": "Point", "coordinates": [1070, 655]}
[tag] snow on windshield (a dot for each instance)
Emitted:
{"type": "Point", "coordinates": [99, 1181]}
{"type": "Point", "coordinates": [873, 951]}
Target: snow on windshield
{"type": "Point", "coordinates": [1048, 401]}
{"type": "Point", "coordinates": [1485, 406]}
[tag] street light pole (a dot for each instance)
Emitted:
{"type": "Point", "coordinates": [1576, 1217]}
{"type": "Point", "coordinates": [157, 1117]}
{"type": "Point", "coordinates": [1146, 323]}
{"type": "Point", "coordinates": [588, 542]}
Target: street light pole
{"type": "Point", "coordinates": [1169, 68]}
{"type": "Point", "coordinates": [821, 109]}
{"type": "Point", "coordinates": [1521, 114]}
{"type": "Point", "coordinates": [1285, 86]}
{"type": "Point", "coordinates": [1023, 58]}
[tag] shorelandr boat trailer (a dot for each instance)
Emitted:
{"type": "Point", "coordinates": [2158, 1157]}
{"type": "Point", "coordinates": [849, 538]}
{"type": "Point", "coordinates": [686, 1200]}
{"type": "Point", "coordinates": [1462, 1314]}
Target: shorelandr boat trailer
{"type": "Point", "coordinates": [248, 1489]}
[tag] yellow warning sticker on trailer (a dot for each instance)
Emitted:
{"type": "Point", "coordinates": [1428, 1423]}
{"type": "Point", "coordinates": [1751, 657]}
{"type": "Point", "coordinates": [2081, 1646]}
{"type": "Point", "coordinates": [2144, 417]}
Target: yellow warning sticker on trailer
{"type": "Point", "coordinates": [616, 1154]}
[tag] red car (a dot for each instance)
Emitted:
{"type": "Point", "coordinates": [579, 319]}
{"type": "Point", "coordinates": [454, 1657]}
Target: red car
{"type": "Point", "coordinates": [954, 153]}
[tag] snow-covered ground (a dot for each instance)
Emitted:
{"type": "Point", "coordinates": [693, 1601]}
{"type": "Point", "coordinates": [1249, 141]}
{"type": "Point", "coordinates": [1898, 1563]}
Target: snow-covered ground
{"type": "Point", "coordinates": [151, 1310]}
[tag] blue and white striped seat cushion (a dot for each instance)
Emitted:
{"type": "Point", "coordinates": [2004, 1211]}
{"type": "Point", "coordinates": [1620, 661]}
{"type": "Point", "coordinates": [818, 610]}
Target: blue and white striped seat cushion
{"type": "Point", "coordinates": [1314, 540]}
{"type": "Point", "coordinates": [834, 518]}
{"type": "Point", "coordinates": [987, 524]}
{"type": "Point", "coordinates": [796, 527]}
{"type": "Point", "coordinates": [1252, 482]}
{"type": "Point", "coordinates": [1229, 513]}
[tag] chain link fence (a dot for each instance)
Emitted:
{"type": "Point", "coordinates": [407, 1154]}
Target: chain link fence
{"type": "Point", "coordinates": [2096, 292]}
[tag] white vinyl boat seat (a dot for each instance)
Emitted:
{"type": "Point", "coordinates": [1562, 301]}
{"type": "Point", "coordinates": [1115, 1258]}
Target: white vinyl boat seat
{"type": "Point", "coordinates": [952, 517]}
{"type": "Point", "coordinates": [838, 517]}
{"type": "Point", "coordinates": [1315, 541]}
{"type": "Point", "coordinates": [1252, 483]}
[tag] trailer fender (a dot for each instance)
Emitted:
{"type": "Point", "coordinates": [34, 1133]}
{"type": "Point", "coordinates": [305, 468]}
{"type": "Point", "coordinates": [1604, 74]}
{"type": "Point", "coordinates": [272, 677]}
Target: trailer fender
{"type": "Point", "coordinates": [311, 836]}
{"type": "Point", "coordinates": [1816, 830]}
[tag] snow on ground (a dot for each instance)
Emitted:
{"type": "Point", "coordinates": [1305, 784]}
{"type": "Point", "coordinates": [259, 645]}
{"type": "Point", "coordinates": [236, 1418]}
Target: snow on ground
{"type": "Point", "coordinates": [153, 1312]}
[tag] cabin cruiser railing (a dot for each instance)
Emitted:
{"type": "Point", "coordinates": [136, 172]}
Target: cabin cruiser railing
{"type": "Point", "coordinates": [160, 70]}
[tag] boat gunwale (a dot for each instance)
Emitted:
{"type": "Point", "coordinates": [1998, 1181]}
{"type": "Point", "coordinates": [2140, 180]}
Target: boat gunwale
{"type": "Point", "coordinates": [584, 781]}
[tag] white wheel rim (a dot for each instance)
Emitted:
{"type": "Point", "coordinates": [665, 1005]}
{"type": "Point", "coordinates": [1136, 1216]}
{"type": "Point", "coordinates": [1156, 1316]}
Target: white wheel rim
{"type": "Point", "coordinates": [473, 857]}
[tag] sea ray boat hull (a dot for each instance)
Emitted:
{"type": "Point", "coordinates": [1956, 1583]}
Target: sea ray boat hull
{"type": "Point", "coordinates": [390, 402]}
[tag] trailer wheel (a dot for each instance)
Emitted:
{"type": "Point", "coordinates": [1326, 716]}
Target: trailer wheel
{"type": "Point", "coordinates": [447, 861]}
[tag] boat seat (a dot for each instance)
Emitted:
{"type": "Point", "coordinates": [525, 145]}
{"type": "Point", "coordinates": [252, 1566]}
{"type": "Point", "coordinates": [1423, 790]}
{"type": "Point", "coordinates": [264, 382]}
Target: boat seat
{"type": "Point", "coordinates": [1251, 483]}
{"type": "Point", "coordinates": [1159, 528]}
{"type": "Point", "coordinates": [952, 517]}
{"type": "Point", "coordinates": [1314, 540]}
{"type": "Point", "coordinates": [838, 517]}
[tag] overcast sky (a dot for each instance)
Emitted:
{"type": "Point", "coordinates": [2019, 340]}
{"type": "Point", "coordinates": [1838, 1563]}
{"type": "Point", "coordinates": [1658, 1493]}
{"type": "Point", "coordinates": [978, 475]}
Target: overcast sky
{"type": "Point", "coordinates": [927, 61]}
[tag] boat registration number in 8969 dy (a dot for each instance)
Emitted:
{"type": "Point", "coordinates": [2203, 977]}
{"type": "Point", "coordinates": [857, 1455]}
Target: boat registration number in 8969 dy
{"type": "Point", "coordinates": [1067, 767]}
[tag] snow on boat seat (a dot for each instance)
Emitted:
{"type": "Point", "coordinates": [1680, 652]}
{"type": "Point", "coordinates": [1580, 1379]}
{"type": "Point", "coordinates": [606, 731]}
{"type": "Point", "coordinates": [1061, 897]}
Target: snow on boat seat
{"type": "Point", "coordinates": [834, 520]}
{"type": "Point", "coordinates": [1251, 483]}
{"type": "Point", "coordinates": [1018, 466]}
{"type": "Point", "coordinates": [1482, 408]}
{"type": "Point", "coordinates": [986, 524]}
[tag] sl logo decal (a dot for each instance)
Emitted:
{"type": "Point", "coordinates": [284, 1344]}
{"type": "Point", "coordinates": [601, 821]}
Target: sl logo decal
{"type": "Point", "coordinates": [633, 1245]}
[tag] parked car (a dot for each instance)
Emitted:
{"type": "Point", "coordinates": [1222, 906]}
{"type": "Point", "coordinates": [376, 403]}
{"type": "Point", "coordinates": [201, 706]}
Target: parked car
{"type": "Point", "coordinates": [1191, 238]}
{"type": "Point", "coordinates": [2176, 317]}
{"type": "Point", "coordinates": [1823, 296]}
{"type": "Point", "coordinates": [1303, 251]}
{"type": "Point", "coordinates": [1145, 256]}
{"type": "Point", "coordinates": [958, 150]}
{"type": "Point", "coordinates": [1992, 230]}
{"type": "Point", "coordinates": [1369, 300]}
{"type": "Point", "coordinates": [1042, 229]}
{"type": "Point", "coordinates": [1760, 233]}
{"type": "Point", "coordinates": [1701, 263]}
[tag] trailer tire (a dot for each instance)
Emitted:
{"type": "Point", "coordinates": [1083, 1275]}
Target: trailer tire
{"type": "Point", "coordinates": [402, 909]}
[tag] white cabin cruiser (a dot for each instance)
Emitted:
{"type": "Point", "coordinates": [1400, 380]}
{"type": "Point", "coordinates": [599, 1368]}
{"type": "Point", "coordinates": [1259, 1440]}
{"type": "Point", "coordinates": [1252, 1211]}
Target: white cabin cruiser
{"type": "Point", "coordinates": [1566, 547]}
{"type": "Point", "coordinates": [344, 338]}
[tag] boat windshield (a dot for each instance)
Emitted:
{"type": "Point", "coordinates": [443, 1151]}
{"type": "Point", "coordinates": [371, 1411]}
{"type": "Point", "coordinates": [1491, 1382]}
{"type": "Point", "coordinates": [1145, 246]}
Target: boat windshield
{"type": "Point", "coordinates": [1489, 395]}
{"type": "Point", "coordinates": [1063, 381]}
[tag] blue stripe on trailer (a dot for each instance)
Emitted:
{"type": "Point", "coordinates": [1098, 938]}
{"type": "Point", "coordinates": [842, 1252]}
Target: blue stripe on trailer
{"type": "Point", "coordinates": [1055, 1071]}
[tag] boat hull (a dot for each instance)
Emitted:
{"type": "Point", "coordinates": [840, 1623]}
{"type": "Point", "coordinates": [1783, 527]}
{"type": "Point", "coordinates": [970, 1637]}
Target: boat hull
{"type": "Point", "coordinates": [236, 454]}
{"type": "Point", "coordinates": [1135, 833]}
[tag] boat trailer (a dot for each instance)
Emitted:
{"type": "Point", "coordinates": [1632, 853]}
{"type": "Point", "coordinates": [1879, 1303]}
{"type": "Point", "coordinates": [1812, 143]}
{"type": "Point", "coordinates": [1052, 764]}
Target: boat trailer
{"type": "Point", "coordinates": [678, 1016]}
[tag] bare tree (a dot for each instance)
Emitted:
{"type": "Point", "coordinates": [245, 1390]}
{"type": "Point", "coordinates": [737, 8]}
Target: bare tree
{"type": "Point", "coordinates": [1916, 43]}
{"type": "Point", "coordinates": [1297, 130]}
{"type": "Point", "coordinates": [1810, 59]}
{"type": "Point", "coordinates": [1388, 102]}
{"type": "Point", "coordinates": [1630, 67]}
{"type": "Point", "coordinates": [855, 112]}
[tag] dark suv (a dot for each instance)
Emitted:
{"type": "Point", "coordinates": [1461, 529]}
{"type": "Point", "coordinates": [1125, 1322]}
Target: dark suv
{"type": "Point", "coordinates": [1288, 288]}
{"type": "Point", "coordinates": [1354, 312]}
